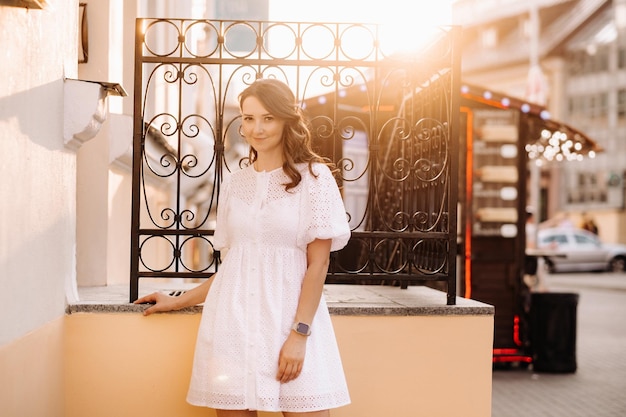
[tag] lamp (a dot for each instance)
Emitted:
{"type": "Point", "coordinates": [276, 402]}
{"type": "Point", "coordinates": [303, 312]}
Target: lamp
{"type": "Point", "coordinates": [85, 110]}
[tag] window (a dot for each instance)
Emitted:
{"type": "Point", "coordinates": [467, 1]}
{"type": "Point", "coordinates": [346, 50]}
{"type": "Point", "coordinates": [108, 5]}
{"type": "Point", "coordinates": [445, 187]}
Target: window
{"type": "Point", "coordinates": [575, 62]}
{"type": "Point", "coordinates": [621, 103]}
{"type": "Point", "coordinates": [584, 240]}
{"type": "Point", "coordinates": [490, 38]}
{"type": "Point", "coordinates": [621, 58]}
{"type": "Point", "coordinates": [555, 239]}
{"type": "Point", "coordinates": [600, 61]}
{"type": "Point", "coordinates": [590, 110]}
{"type": "Point", "coordinates": [593, 60]}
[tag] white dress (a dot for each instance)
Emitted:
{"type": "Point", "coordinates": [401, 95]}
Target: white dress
{"type": "Point", "coordinates": [251, 305]}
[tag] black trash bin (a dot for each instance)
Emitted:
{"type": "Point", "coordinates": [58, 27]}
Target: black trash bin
{"type": "Point", "coordinates": [553, 331]}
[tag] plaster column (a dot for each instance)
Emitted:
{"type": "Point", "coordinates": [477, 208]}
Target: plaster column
{"type": "Point", "coordinates": [100, 209]}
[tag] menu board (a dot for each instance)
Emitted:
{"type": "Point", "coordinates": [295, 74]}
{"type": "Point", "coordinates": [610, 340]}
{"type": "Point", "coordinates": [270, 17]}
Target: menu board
{"type": "Point", "coordinates": [495, 173]}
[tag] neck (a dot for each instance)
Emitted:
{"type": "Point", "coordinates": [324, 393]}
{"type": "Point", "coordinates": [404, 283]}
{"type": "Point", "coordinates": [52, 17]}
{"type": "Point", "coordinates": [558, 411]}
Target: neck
{"type": "Point", "coordinates": [267, 164]}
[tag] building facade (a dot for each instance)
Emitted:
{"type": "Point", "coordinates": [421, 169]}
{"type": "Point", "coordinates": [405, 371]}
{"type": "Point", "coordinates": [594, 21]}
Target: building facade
{"type": "Point", "coordinates": [569, 56]}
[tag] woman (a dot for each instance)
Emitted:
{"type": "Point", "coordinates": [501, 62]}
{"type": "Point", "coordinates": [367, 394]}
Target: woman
{"type": "Point", "coordinates": [265, 341]}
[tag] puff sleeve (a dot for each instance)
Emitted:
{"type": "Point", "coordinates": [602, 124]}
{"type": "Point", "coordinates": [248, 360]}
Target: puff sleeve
{"type": "Point", "coordinates": [323, 215]}
{"type": "Point", "coordinates": [220, 238]}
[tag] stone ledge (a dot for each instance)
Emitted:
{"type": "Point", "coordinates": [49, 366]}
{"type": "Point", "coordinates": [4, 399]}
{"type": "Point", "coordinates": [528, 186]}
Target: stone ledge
{"type": "Point", "coordinates": [342, 300]}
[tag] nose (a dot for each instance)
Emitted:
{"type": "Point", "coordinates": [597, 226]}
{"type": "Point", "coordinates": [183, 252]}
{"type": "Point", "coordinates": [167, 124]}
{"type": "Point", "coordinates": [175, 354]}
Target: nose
{"type": "Point", "coordinates": [258, 126]}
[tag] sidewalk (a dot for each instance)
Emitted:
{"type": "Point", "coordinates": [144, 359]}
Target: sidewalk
{"type": "Point", "coordinates": [598, 388]}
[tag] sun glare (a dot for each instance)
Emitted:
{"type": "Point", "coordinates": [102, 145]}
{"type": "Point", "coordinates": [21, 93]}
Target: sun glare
{"type": "Point", "coordinates": [406, 25]}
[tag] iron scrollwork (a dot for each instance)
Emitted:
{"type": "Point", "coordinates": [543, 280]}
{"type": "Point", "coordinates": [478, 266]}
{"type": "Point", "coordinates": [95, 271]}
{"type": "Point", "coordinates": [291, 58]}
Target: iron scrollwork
{"type": "Point", "coordinates": [388, 123]}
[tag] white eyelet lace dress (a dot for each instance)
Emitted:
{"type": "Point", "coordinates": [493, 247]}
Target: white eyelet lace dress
{"type": "Point", "coordinates": [251, 305]}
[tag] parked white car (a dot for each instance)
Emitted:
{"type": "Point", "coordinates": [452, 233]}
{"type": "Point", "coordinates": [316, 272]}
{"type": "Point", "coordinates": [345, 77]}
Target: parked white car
{"type": "Point", "coordinates": [580, 250]}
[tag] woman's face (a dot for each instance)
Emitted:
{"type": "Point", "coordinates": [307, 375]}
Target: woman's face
{"type": "Point", "coordinates": [262, 130]}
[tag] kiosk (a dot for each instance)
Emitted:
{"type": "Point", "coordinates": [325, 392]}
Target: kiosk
{"type": "Point", "coordinates": [499, 132]}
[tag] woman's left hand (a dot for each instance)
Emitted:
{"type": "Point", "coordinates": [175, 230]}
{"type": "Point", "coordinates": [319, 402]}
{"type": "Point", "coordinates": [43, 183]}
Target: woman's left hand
{"type": "Point", "coordinates": [291, 357]}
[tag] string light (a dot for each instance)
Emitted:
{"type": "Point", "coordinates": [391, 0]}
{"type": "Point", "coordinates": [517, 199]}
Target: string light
{"type": "Point", "coordinates": [557, 146]}
{"type": "Point", "coordinates": [555, 142]}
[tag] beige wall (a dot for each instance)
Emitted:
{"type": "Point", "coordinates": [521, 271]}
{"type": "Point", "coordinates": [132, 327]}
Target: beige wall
{"type": "Point", "coordinates": [32, 373]}
{"type": "Point", "coordinates": [127, 364]}
{"type": "Point", "coordinates": [103, 365]}
{"type": "Point", "coordinates": [412, 366]}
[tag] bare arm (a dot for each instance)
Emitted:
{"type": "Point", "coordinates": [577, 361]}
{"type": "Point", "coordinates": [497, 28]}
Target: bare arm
{"type": "Point", "coordinates": [164, 302]}
{"type": "Point", "coordinates": [291, 356]}
{"type": "Point", "coordinates": [318, 253]}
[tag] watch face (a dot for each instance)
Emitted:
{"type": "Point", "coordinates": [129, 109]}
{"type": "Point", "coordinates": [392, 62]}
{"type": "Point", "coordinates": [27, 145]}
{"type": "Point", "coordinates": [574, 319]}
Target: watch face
{"type": "Point", "coordinates": [302, 328]}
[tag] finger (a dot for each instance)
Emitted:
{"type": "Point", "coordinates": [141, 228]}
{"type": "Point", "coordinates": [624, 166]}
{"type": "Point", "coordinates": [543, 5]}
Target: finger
{"type": "Point", "coordinates": [151, 310]}
{"type": "Point", "coordinates": [295, 373]}
{"type": "Point", "coordinates": [280, 377]}
{"type": "Point", "coordinates": [284, 371]}
{"type": "Point", "coordinates": [285, 377]}
{"type": "Point", "coordinates": [297, 370]}
{"type": "Point", "coordinates": [281, 371]}
{"type": "Point", "coordinates": [140, 300]}
{"type": "Point", "coordinates": [150, 298]}
{"type": "Point", "coordinates": [290, 373]}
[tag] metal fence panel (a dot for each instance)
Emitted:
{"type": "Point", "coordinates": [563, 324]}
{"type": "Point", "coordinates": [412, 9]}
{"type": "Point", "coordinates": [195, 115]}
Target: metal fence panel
{"type": "Point", "coordinates": [389, 122]}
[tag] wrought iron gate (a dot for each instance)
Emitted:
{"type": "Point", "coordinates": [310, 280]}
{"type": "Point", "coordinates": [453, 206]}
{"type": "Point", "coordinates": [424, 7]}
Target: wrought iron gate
{"type": "Point", "coordinates": [389, 122]}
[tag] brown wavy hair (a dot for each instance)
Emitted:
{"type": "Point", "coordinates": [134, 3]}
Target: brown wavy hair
{"type": "Point", "coordinates": [279, 100]}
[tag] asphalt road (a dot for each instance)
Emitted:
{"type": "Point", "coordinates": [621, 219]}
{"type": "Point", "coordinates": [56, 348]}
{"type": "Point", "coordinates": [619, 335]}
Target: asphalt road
{"type": "Point", "coordinates": [598, 387]}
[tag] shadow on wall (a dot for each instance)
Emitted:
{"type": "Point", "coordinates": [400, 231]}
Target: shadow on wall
{"type": "Point", "coordinates": [39, 113]}
{"type": "Point", "coordinates": [35, 275]}
{"type": "Point", "coordinates": [37, 206]}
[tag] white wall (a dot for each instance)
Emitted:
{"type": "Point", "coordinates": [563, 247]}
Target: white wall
{"type": "Point", "coordinates": [103, 187]}
{"type": "Point", "coordinates": [37, 174]}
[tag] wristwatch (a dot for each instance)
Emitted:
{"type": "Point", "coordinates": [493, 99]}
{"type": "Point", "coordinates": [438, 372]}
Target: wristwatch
{"type": "Point", "coordinates": [302, 328]}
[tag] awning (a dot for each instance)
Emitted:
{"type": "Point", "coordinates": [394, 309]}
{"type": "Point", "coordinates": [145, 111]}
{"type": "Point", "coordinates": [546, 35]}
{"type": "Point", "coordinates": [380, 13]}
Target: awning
{"type": "Point", "coordinates": [547, 139]}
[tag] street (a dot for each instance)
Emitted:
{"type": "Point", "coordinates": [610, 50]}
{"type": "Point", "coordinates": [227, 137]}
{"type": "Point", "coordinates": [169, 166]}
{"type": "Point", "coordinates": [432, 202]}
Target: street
{"type": "Point", "coordinates": [598, 388]}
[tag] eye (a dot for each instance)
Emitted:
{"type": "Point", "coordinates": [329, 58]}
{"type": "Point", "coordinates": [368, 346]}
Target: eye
{"type": "Point", "coordinates": [269, 118]}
